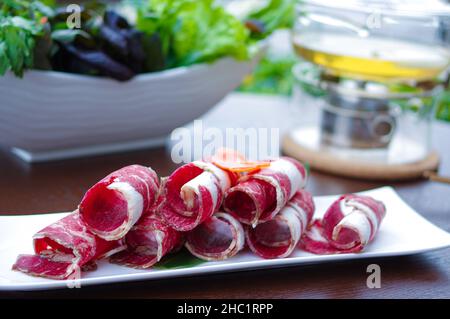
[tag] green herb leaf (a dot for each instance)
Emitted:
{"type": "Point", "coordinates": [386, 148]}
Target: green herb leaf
{"type": "Point", "coordinates": [16, 37]}
{"type": "Point", "coordinates": [194, 31]}
{"type": "Point", "coordinates": [181, 259]}
{"type": "Point", "coordinates": [277, 14]}
{"type": "Point", "coordinates": [20, 25]}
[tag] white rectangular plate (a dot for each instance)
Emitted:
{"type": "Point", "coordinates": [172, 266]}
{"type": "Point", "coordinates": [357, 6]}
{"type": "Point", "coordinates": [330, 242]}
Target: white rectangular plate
{"type": "Point", "coordinates": [403, 232]}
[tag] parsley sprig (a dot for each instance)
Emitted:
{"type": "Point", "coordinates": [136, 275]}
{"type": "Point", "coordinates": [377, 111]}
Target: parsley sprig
{"type": "Point", "coordinates": [20, 23]}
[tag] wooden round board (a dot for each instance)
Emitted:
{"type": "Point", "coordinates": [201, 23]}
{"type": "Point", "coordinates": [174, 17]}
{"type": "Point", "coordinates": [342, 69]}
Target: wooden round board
{"type": "Point", "coordinates": [323, 161]}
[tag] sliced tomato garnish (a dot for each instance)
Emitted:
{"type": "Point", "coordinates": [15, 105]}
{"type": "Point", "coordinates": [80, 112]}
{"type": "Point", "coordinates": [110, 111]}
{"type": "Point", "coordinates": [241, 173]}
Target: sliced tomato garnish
{"type": "Point", "coordinates": [233, 161]}
{"type": "Point", "coordinates": [229, 155]}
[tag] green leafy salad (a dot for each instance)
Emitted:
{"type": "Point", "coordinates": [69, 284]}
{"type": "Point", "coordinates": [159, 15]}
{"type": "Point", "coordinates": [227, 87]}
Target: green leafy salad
{"type": "Point", "coordinates": [129, 38]}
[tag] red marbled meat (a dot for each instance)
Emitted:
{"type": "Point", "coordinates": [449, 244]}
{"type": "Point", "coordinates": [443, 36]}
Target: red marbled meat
{"type": "Point", "coordinates": [348, 225]}
{"type": "Point", "coordinates": [278, 237]}
{"type": "Point", "coordinates": [220, 237]}
{"type": "Point", "coordinates": [260, 196]}
{"type": "Point", "coordinates": [113, 205]}
{"type": "Point", "coordinates": [62, 249]}
{"type": "Point", "coordinates": [147, 242]}
{"type": "Point", "coordinates": [192, 194]}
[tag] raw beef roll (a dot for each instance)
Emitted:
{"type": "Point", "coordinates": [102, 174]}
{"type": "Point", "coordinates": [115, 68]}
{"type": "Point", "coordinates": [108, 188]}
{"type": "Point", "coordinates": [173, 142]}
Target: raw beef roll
{"type": "Point", "coordinates": [348, 225]}
{"type": "Point", "coordinates": [278, 237]}
{"type": "Point", "coordinates": [259, 197]}
{"type": "Point", "coordinates": [64, 248]}
{"type": "Point", "coordinates": [147, 242]}
{"type": "Point", "coordinates": [218, 238]}
{"type": "Point", "coordinates": [112, 206]}
{"type": "Point", "coordinates": [192, 194]}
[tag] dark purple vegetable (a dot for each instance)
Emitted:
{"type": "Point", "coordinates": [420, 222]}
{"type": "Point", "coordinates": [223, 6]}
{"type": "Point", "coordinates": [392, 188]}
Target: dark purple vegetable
{"type": "Point", "coordinates": [113, 41]}
{"type": "Point", "coordinates": [95, 61]}
{"type": "Point", "coordinates": [133, 48]}
{"type": "Point", "coordinates": [104, 64]}
{"type": "Point", "coordinates": [109, 47]}
{"type": "Point", "coordinates": [115, 21]}
{"type": "Point", "coordinates": [64, 61]}
{"type": "Point", "coordinates": [136, 58]}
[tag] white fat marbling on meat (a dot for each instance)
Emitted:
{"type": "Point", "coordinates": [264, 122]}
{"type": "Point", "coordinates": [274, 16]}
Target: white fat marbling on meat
{"type": "Point", "coordinates": [290, 170]}
{"type": "Point", "coordinates": [192, 188]}
{"type": "Point", "coordinates": [159, 236]}
{"type": "Point", "coordinates": [240, 239]}
{"type": "Point", "coordinates": [291, 216]}
{"type": "Point", "coordinates": [278, 191]}
{"type": "Point", "coordinates": [316, 235]}
{"type": "Point", "coordinates": [301, 215]}
{"type": "Point", "coordinates": [135, 204]}
{"type": "Point", "coordinates": [294, 221]}
{"type": "Point", "coordinates": [356, 221]}
{"type": "Point", "coordinates": [143, 182]}
{"type": "Point", "coordinates": [236, 245]}
{"type": "Point", "coordinates": [144, 250]}
{"type": "Point", "coordinates": [154, 184]}
{"type": "Point", "coordinates": [351, 205]}
{"type": "Point", "coordinates": [122, 246]}
{"type": "Point", "coordinates": [221, 175]}
{"type": "Point", "coordinates": [87, 239]}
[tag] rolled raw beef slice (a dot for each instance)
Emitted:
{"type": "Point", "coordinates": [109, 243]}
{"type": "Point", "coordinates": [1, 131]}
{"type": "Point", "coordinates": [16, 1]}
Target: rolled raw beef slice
{"type": "Point", "coordinates": [192, 194]}
{"type": "Point", "coordinates": [65, 247]}
{"type": "Point", "coordinates": [218, 238]}
{"type": "Point", "coordinates": [348, 225]}
{"type": "Point", "coordinates": [112, 206]}
{"type": "Point", "coordinates": [278, 237]}
{"type": "Point", "coordinates": [147, 242]}
{"type": "Point", "coordinates": [259, 197]}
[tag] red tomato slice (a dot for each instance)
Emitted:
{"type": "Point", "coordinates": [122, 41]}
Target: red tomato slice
{"type": "Point", "coordinates": [233, 161]}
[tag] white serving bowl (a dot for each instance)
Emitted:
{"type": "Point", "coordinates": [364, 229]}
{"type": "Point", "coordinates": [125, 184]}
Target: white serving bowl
{"type": "Point", "coordinates": [53, 115]}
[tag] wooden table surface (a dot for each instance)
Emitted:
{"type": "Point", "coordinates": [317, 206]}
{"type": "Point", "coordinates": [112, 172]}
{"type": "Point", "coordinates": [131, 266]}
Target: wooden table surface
{"type": "Point", "coordinates": [59, 186]}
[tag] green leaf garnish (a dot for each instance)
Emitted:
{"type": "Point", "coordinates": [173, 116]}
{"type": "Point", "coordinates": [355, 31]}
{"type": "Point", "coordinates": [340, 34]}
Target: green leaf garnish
{"type": "Point", "coordinates": [181, 259]}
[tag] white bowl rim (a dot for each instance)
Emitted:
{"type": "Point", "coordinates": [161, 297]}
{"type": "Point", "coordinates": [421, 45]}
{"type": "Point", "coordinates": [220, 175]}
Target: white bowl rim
{"type": "Point", "coordinates": [167, 73]}
{"type": "Point", "coordinates": [261, 47]}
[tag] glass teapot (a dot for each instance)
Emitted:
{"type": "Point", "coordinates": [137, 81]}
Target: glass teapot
{"type": "Point", "coordinates": [370, 76]}
{"type": "Point", "coordinates": [375, 40]}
